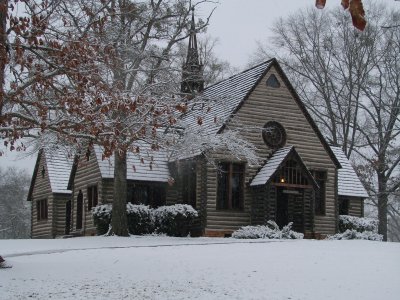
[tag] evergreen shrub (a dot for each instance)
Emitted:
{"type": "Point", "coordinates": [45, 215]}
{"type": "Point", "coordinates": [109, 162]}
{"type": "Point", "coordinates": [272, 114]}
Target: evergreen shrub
{"type": "Point", "coordinates": [357, 224]}
{"type": "Point", "coordinates": [174, 220]}
{"type": "Point", "coordinates": [102, 218]}
{"type": "Point", "coordinates": [140, 219]}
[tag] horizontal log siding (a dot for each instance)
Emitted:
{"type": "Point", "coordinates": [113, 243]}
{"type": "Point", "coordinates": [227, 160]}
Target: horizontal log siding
{"type": "Point", "coordinates": [224, 220]}
{"type": "Point", "coordinates": [356, 207]}
{"type": "Point", "coordinates": [87, 174]}
{"type": "Point", "coordinates": [41, 191]}
{"type": "Point", "coordinates": [263, 105]}
{"type": "Point", "coordinates": [60, 202]}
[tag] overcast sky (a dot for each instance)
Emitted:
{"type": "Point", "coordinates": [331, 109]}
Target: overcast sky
{"type": "Point", "coordinates": [238, 24]}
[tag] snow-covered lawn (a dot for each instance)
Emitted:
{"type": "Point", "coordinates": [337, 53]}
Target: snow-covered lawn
{"type": "Point", "coordinates": [199, 268]}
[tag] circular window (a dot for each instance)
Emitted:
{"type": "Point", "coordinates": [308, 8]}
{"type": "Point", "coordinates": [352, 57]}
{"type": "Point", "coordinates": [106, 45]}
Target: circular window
{"type": "Point", "coordinates": [274, 134]}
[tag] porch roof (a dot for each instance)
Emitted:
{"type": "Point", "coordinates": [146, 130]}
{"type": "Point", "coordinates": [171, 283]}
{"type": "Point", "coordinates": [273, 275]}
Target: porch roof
{"type": "Point", "coordinates": [348, 182]}
{"type": "Point", "coordinates": [148, 165]}
{"type": "Point", "coordinates": [266, 173]}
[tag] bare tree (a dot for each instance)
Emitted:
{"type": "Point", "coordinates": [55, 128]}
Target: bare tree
{"type": "Point", "coordinates": [349, 81]}
{"type": "Point", "coordinates": [14, 210]}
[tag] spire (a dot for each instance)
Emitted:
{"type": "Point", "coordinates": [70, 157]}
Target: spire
{"type": "Point", "coordinates": [192, 73]}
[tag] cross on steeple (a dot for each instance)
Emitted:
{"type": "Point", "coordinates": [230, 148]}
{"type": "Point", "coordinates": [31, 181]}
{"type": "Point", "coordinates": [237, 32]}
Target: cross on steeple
{"type": "Point", "coordinates": [192, 71]}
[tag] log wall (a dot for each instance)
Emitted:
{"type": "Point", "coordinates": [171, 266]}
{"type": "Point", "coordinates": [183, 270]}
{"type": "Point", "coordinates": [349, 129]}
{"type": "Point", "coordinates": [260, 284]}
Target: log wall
{"type": "Point", "coordinates": [42, 191]}
{"type": "Point", "coordinates": [273, 104]}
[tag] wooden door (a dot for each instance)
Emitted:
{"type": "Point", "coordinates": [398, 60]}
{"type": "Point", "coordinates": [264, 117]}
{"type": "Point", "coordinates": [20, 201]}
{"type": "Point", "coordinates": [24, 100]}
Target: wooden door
{"type": "Point", "coordinates": [282, 208]}
{"type": "Point", "coordinates": [67, 216]}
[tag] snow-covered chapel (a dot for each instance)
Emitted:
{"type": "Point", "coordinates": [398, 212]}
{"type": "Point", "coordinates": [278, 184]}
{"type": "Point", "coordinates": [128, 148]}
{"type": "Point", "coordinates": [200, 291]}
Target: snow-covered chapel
{"type": "Point", "coordinates": [302, 179]}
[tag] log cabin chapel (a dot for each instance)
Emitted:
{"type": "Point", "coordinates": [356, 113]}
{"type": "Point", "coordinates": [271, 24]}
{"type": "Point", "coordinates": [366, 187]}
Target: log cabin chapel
{"type": "Point", "coordinates": [302, 179]}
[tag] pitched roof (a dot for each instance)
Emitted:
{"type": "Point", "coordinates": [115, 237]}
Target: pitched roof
{"type": "Point", "coordinates": [59, 167]}
{"type": "Point", "coordinates": [348, 182]}
{"type": "Point", "coordinates": [267, 172]}
{"type": "Point", "coordinates": [153, 168]}
{"type": "Point", "coordinates": [225, 96]}
{"type": "Point", "coordinates": [271, 166]}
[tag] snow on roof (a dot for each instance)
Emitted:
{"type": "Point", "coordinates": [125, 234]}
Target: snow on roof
{"type": "Point", "coordinates": [271, 166]}
{"type": "Point", "coordinates": [153, 168]}
{"type": "Point", "coordinates": [59, 165]}
{"type": "Point", "coordinates": [348, 182]}
{"type": "Point", "coordinates": [225, 96]}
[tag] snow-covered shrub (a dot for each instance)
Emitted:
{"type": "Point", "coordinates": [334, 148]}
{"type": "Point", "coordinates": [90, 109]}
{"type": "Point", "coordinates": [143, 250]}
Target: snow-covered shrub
{"type": "Point", "coordinates": [102, 218]}
{"type": "Point", "coordinates": [351, 234]}
{"type": "Point", "coordinates": [269, 231]}
{"type": "Point", "coordinates": [357, 224]}
{"type": "Point", "coordinates": [140, 220]}
{"type": "Point", "coordinates": [174, 220]}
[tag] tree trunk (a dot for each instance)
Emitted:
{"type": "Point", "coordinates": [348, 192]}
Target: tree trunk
{"type": "Point", "coordinates": [382, 205]}
{"type": "Point", "coordinates": [3, 49]}
{"type": "Point", "coordinates": [119, 220]}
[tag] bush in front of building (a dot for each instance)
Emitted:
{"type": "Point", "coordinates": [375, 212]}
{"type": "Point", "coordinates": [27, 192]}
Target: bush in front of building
{"type": "Point", "coordinates": [174, 220]}
{"type": "Point", "coordinates": [354, 228]}
{"type": "Point", "coordinates": [358, 224]}
{"type": "Point", "coordinates": [351, 234]}
{"type": "Point", "coordinates": [269, 231]}
{"type": "Point", "coordinates": [140, 219]}
{"type": "Point", "coordinates": [102, 218]}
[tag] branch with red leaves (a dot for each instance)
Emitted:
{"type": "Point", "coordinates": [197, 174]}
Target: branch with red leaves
{"type": "Point", "coordinates": [356, 9]}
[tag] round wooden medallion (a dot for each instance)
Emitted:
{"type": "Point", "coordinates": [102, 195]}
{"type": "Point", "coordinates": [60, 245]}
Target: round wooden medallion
{"type": "Point", "coordinates": [274, 134]}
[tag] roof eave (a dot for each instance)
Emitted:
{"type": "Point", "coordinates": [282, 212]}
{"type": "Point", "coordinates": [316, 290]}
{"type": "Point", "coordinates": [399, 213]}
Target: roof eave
{"type": "Point", "coordinates": [35, 171]}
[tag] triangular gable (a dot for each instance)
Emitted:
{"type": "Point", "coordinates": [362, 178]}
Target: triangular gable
{"type": "Point", "coordinates": [348, 182]}
{"type": "Point", "coordinates": [148, 165]}
{"type": "Point", "coordinates": [277, 160]}
{"type": "Point", "coordinates": [227, 97]}
{"type": "Point", "coordinates": [58, 167]}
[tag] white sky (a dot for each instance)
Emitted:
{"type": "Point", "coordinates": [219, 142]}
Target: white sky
{"type": "Point", "coordinates": [238, 24]}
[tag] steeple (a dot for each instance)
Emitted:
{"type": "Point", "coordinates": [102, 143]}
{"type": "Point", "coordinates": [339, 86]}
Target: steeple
{"type": "Point", "coordinates": [192, 71]}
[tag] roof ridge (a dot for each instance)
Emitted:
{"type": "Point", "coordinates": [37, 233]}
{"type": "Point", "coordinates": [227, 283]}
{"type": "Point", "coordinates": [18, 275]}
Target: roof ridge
{"type": "Point", "coordinates": [240, 73]}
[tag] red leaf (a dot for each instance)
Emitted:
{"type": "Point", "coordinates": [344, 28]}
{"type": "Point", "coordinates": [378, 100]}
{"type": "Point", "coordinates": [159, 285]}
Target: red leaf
{"type": "Point", "coordinates": [320, 3]}
{"type": "Point", "coordinates": [357, 14]}
{"type": "Point", "coordinates": [199, 121]}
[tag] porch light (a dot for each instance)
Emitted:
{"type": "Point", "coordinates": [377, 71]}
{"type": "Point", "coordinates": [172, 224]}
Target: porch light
{"type": "Point", "coordinates": [282, 180]}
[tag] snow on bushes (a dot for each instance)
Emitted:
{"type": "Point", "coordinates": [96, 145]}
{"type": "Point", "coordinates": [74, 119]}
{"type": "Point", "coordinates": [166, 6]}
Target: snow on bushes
{"type": "Point", "coordinates": [140, 219]}
{"type": "Point", "coordinates": [354, 228]}
{"type": "Point", "coordinates": [174, 220]}
{"type": "Point", "coordinates": [351, 234]}
{"type": "Point", "coordinates": [102, 218]}
{"type": "Point", "coordinates": [358, 224]}
{"type": "Point", "coordinates": [269, 231]}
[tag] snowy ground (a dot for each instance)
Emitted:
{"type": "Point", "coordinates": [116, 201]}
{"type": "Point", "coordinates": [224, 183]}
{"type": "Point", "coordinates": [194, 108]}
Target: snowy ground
{"type": "Point", "coordinates": [174, 268]}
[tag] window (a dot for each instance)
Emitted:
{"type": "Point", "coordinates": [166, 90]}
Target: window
{"type": "Point", "coordinates": [92, 196]}
{"type": "Point", "coordinates": [153, 195]}
{"type": "Point", "coordinates": [230, 186]}
{"type": "Point", "coordinates": [188, 179]}
{"type": "Point", "coordinates": [273, 82]}
{"type": "Point", "coordinates": [320, 178]}
{"type": "Point", "coordinates": [42, 210]}
{"type": "Point", "coordinates": [344, 205]}
{"type": "Point", "coordinates": [43, 172]}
